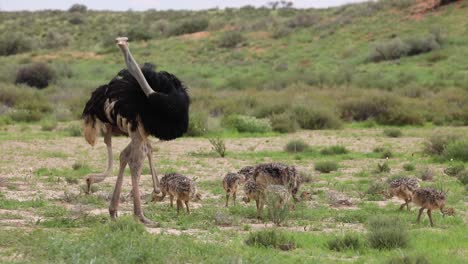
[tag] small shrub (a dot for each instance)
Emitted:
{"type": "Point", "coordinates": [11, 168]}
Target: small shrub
{"type": "Point", "coordinates": [387, 232]}
{"type": "Point", "coordinates": [295, 146]}
{"type": "Point", "coordinates": [334, 150]}
{"type": "Point", "coordinates": [457, 150]}
{"type": "Point", "coordinates": [409, 167]}
{"type": "Point", "coordinates": [138, 32]}
{"type": "Point", "coordinates": [222, 219]}
{"type": "Point", "coordinates": [280, 32]}
{"type": "Point", "coordinates": [303, 20]}
{"type": "Point", "coordinates": [49, 125]}
{"type": "Point", "coordinates": [346, 242]}
{"type": "Point", "coordinates": [426, 174]}
{"type": "Point", "coordinates": [463, 177]}
{"type": "Point", "coordinates": [277, 212]}
{"type": "Point", "coordinates": [36, 75]}
{"type": "Point", "coordinates": [383, 168]}
{"type": "Point", "coordinates": [316, 118]}
{"type": "Point", "coordinates": [408, 260]}
{"type": "Point", "coordinates": [454, 169]}
{"type": "Point", "coordinates": [13, 43]}
{"type": "Point", "coordinates": [437, 142]}
{"type": "Point", "coordinates": [55, 40]}
{"type": "Point", "coordinates": [198, 124]}
{"type": "Point", "coordinates": [375, 190]}
{"type": "Point", "coordinates": [231, 39]}
{"type": "Point", "coordinates": [389, 50]}
{"type": "Point", "coordinates": [73, 130]}
{"type": "Point", "coordinates": [247, 124]}
{"type": "Point", "coordinates": [393, 132]}
{"type": "Point", "coordinates": [271, 238]}
{"type": "Point", "coordinates": [189, 26]}
{"type": "Point", "coordinates": [218, 146]}
{"type": "Point", "coordinates": [283, 123]}
{"type": "Point", "coordinates": [326, 166]}
{"type": "Point", "coordinates": [76, 19]}
{"type": "Point", "coordinates": [384, 152]}
{"type": "Point", "coordinates": [22, 115]}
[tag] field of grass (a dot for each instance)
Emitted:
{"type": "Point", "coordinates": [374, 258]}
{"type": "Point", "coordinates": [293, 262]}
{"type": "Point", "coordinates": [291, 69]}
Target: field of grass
{"type": "Point", "coordinates": [339, 93]}
{"type": "Point", "coordinates": [46, 217]}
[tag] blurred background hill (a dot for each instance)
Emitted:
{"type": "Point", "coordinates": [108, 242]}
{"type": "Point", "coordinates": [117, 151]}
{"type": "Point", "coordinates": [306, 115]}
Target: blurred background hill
{"type": "Point", "coordinates": [389, 62]}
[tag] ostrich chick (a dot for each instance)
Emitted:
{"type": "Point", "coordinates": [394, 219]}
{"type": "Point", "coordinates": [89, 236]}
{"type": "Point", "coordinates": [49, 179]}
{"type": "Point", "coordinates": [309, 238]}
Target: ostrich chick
{"type": "Point", "coordinates": [180, 187]}
{"type": "Point", "coordinates": [403, 188]}
{"type": "Point", "coordinates": [230, 183]}
{"type": "Point", "coordinates": [430, 199]}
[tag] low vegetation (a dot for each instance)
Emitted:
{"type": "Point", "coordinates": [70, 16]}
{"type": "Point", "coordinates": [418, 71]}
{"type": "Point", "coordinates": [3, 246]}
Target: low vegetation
{"type": "Point", "coordinates": [387, 233]}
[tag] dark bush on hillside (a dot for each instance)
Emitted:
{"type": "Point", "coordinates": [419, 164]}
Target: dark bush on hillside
{"type": "Point", "coordinates": [396, 48]}
{"type": "Point", "coordinates": [248, 124]}
{"type": "Point", "coordinates": [387, 232]}
{"type": "Point", "coordinates": [14, 43]}
{"type": "Point", "coordinates": [78, 8]}
{"type": "Point", "coordinates": [280, 32]}
{"type": "Point", "coordinates": [296, 145]}
{"type": "Point", "coordinates": [426, 174]}
{"type": "Point", "coordinates": [386, 109]}
{"type": "Point", "coordinates": [55, 40]}
{"type": "Point", "coordinates": [36, 75]}
{"type": "Point", "coordinates": [284, 123]}
{"type": "Point", "coordinates": [189, 26]}
{"type": "Point", "coordinates": [303, 20]}
{"type": "Point", "coordinates": [76, 19]}
{"type": "Point", "coordinates": [463, 177]}
{"type": "Point", "coordinates": [231, 39]}
{"type": "Point", "coordinates": [316, 118]}
{"type": "Point", "coordinates": [138, 32]}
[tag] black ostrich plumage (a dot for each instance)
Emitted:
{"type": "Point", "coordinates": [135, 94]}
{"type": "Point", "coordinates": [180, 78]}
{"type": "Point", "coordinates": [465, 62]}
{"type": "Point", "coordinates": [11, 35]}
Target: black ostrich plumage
{"type": "Point", "coordinates": [164, 114]}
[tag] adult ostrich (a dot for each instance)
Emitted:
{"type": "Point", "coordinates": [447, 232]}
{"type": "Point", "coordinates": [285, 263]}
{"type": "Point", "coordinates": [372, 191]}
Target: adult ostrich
{"type": "Point", "coordinates": [137, 103]}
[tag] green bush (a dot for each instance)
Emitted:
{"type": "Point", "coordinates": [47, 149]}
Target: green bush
{"type": "Point", "coordinates": [393, 132]}
{"type": "Point", "coordinates": [383, 152]}
{"type": "Point", "coordinates": [189, 26]}
{"type": "Point", "coordinates": [296, 145]}
{"type": "Point", "coordinates": [387, 232]}
{"type": "Point", "coordinates": [375, 190]}
{"type": "Point", "coordinates": [271, 238]}
{"type": "Point", "coordinates": [13, 43]}
{"type": "Point", "coordinates": [278, 211]}
{"type": "Point", "coordinates": [303, 20]}
{"type": "Point", "coordinates": [219, 146]}
{"type": "Point", "coordinates": [22, 115]}
{"type": "Point", "coordinates": [36, 75]}
{"type": "Point", "coordinates": [396, 48]}
{"type": "Point", "coordinates": [438, 141]}
{"type": "Point", "coordinates": [326, 166]}
{"type": "Point", "coordinates": [383, 168]}
{"type": "Point", "coordinates": [426, 174]}
{"type": "Point", "coordinates": [457, 150]}
{"type": "Point", "coordinates": [49, 125]}
{"type": "Point", "coordinates": [454, 169]}
{"type": "Point", "coordinates": [334, 150]}
{"type": "Point", "coordinates": [73, 130]}
{"type": "Point", "coordinates": [346, 242]}
{"type": "Point", "coordinates": [231, 39]}
{"type": "Point", "coordinates": [409, 167]}
{"type": "Point", "coordinates": [198, 124]}
{"type": "Point", "coordinates": [281, 32]}
{"type": "Point", "coordinates": [55, 40]}
{"type": "Point", "coordinates": [316, 118]}
{"type": "Point", "coordinates": [463, 177]}
{"type": "Point", "coordinates": [283, 123]}
{"type": "Point", "coordinates": [247, 124]}
{"type": "Point", "coordinates": [138, 32]}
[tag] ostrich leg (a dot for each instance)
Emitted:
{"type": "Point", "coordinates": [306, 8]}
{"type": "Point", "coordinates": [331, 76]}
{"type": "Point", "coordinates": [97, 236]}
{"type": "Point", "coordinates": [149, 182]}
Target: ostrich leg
{"type": "Point", "coordinates": [156, 186]}
{"type": "Point", "coordinates": [95, 178]}
{"type": "Point", "coordinates": [138, 150]}
{"type": "Point", "coordinates": [124, 157]}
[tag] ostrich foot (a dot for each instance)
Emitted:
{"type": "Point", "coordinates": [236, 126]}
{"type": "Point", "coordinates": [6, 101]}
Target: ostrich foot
{"type": "Point", "coordinates": [148, 223]}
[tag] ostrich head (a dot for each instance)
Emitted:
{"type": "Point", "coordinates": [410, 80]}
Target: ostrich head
{"type": "Point", "coordinates": [133, 68]}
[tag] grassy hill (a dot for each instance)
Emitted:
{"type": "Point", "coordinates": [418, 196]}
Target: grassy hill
{"type": "Point", "coordinates": [371, 61]}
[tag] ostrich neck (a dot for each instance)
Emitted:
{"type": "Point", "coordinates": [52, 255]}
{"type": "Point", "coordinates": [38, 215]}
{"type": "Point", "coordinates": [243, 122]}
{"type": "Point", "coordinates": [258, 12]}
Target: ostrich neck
{"type": "Point", "coordinates": [135, 70]}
